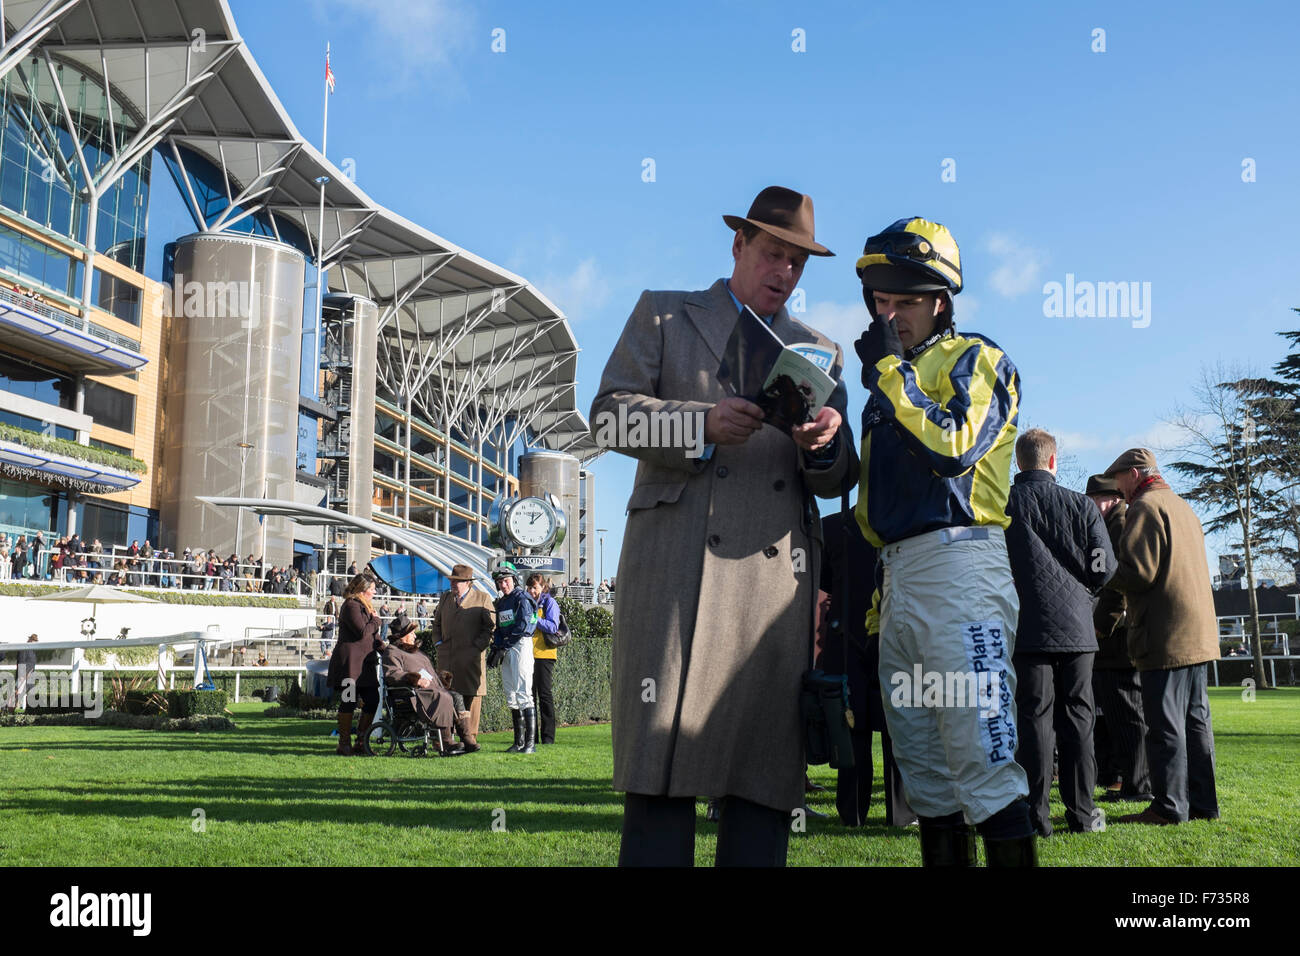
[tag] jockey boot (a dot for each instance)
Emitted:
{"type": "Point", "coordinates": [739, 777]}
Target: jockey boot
{"type": "Point", "coordinates": [530, 731]}
{"type": "Point", "coordinates": [1021, 851]}
{"type": "Point", "coordinates": [518, 717]}
{"type": "Point", "coordinates": [947, 841]}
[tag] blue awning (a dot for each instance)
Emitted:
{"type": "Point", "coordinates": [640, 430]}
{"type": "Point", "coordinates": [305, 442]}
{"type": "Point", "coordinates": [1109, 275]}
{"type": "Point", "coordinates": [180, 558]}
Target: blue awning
{"type": "Point", "coordinates": [85, 349]}
{"type": "Point", "coordinates": [57, 467]}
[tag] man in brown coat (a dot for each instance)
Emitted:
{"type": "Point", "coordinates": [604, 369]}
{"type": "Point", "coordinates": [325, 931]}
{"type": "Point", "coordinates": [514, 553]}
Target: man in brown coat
{"type": "Point", "coordinates": [1172, 634]}
{"type": "Point", "coordinates": [463, 623]}
{"type": "Point", "coordinates": [719, 566]}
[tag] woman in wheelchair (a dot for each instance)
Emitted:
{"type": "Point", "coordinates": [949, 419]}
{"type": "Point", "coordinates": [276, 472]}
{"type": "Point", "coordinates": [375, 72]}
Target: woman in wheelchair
{"type": "Point", "coordinates": [415, 692]}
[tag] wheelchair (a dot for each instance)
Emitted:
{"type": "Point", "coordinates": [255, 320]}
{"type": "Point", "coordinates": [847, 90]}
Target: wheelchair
{"type": "Point", "coordinates": [400, 727]}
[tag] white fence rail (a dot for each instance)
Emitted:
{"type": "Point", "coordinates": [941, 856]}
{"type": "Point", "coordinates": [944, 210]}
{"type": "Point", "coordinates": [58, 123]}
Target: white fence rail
{"type": "Point", "coordinates": [93, 674]}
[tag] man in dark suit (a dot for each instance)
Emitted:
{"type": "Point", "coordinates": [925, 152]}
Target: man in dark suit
{"type": "Point", "coordinates": [1060, 557]}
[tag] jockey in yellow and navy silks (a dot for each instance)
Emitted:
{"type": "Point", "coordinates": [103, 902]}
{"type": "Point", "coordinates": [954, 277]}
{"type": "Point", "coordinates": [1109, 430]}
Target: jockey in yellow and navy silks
{"type": "Point", "coordinates": [951, 401]}
{"type": "Point", "coordinates": [938, 432]}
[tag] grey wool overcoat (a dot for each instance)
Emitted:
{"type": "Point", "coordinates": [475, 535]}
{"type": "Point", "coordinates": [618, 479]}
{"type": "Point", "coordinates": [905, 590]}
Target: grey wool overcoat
{"type": "Point", "coordinates": [718, 572]}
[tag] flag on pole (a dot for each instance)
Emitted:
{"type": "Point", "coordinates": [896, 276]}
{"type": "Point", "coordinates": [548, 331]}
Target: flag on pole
{"type": "Point", "coordinates": [329, 74]}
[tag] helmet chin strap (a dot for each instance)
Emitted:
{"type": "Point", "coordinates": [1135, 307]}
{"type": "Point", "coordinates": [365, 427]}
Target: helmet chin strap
{"type": "Point", "coordinates": [935, 336]}
{"type": "Point", "coordinates": [869, 297]}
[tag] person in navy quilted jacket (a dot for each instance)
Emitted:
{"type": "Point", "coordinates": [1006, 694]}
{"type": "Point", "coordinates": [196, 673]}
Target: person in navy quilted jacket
{"type": "Point", "coordinates": [1060, 557]}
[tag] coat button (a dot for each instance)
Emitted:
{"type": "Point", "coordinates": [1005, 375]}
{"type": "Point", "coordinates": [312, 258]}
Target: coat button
{"type": "Point", "coordinates": [722, 471]}
{"type": "Point", "coordinates": [778, 485]}
{"type": "Point", "coordinates": [714, 541]}
{"type": "Point", "coordinates": [771, 551]}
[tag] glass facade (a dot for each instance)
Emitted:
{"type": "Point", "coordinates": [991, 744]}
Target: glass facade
{"type": "Point", "coordinates": [116, 296]}
{"type": "Point", "coordinates": [26, 509]}
{"type": "Point", "coordinates": [36, 425]}
{"type": "Point", "coordinates": [35, 263]}
{"type": "Point", "coordinates": [40, 172]}
{"type": "Point", "coordinates": [20, 377]}
{"type": "Point", "coordinates": [104, 521]}
{"type": "Point", "coordinates": [110, 406]}
{"type": "Point", "coordinates": [113, 523]}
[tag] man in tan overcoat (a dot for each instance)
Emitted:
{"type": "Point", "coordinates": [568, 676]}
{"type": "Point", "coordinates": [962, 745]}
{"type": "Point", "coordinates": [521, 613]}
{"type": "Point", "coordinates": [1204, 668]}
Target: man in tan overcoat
{"type": "Point", "coordinates": [1172, 634]}
{"type": "Point", "coordinates": [719, 567]}
{"type": "Point", "coordinates": [463, 623]}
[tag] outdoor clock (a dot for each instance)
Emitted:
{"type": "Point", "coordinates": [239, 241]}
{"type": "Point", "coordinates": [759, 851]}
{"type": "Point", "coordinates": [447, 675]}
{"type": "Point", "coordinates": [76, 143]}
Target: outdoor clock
{"type": "Point", "coordinates": [533, 524]}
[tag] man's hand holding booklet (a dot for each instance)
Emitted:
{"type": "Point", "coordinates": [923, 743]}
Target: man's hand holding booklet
{"type": "Point", "coordinates": [788, 382]}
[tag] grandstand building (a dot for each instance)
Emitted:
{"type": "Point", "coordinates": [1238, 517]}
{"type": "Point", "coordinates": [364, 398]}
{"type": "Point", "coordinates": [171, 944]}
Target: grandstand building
{"type": "Point", "coordinates": [140, 370]}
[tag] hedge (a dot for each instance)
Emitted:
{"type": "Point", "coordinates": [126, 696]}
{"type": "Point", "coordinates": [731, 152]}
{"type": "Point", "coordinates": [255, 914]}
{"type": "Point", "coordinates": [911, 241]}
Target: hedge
{"type": "Point", "coordinates": [112, 718]}
{"type": "Point", "coordinates": [205, 598]}
{"type": "Point", "coordinates": [72, 449]}
{"type": "Point", "coordinates": [196, 703]}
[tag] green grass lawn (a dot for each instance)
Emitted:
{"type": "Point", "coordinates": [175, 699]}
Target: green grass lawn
{"type": "Point", "coordinates": [272, 793]}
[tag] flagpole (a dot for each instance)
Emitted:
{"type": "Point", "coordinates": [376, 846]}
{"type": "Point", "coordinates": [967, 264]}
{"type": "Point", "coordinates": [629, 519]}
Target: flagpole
{"type": "Point", "coordinates": [320, 249]}
{"type": "Point", "coordinates": [320, 228]}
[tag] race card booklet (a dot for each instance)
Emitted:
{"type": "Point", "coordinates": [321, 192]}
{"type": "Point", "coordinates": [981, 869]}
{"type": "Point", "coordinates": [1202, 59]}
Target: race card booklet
{"type": "Point", "coordinates": [790, 383]}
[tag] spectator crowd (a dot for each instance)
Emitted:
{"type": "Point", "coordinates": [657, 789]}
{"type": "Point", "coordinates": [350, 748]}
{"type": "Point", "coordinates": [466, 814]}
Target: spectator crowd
{"type": "Point", "coordinates": [70, 560]}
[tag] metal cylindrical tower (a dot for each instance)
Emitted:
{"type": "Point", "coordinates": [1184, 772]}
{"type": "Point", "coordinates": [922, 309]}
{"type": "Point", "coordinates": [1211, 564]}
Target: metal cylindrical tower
{"type": "Point", "coordinates": [232, 390]}
{"type": "Point", "coordinates": [556, 473]}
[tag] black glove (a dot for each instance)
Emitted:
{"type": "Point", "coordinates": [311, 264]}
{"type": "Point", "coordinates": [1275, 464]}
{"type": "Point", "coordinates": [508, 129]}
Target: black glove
{"type": "Point", "coordinates": [880, 339]}
{"type": "Point", "coordinates": [495, 656]}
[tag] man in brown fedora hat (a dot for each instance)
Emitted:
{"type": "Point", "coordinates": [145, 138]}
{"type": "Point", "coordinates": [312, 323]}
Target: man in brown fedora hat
{"type": "Point", "coordinates": [463, 623]}
{"type": "Point", "coordinates": [720, 558]}
{"type": "Point", "coordinates": [1172, 635]}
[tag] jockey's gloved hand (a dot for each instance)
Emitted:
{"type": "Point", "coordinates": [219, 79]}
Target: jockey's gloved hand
{"type": "Point", "coordinates": [880, 339]}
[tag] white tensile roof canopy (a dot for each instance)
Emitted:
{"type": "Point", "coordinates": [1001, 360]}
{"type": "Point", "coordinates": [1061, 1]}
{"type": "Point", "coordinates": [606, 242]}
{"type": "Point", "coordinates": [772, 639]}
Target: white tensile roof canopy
{"type": "Point", "coordinates": [470, 343]}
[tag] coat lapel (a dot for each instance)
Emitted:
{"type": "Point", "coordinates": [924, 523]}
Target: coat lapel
{"type": "Point", "coordinates": [786, 330]}
{"type": "Point", "coordinates": [714, 316]}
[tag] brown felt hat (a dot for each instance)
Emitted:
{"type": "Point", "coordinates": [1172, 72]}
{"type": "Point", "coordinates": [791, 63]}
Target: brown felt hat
{"type": "Point", "coordinates": [1133, 458]}
{"type": "Point", "coordinates": [1101, 485]}
{"type": "Point", "coordinates": [401, 626]}
{"type": "Point", "coordinates": [783, 213]}
{"type": "Point", "coordinates": [462, 572]}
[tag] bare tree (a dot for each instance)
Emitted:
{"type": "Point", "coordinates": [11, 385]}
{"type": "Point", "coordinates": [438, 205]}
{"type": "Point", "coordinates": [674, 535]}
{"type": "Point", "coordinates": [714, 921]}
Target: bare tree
{"type": "Point", "coordinates": [1223, 456]}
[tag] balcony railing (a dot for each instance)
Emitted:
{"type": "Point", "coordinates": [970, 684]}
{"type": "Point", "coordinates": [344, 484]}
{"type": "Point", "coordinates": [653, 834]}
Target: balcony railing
{"type": "Point", "coordinates": [84, 326]}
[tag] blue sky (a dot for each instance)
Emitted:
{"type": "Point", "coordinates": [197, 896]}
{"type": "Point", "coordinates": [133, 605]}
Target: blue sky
{"type": "Point", "coordinates": [1117, 166]}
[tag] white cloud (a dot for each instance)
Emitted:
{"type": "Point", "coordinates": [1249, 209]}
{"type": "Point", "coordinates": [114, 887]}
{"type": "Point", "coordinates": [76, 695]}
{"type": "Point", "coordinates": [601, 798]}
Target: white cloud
{"type": "Point", "coordinates": [1017, 266]}
{"type": "Point", "coordinates": [578, 293]}
{"type": "Point", "coordinates": [417, 37]}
